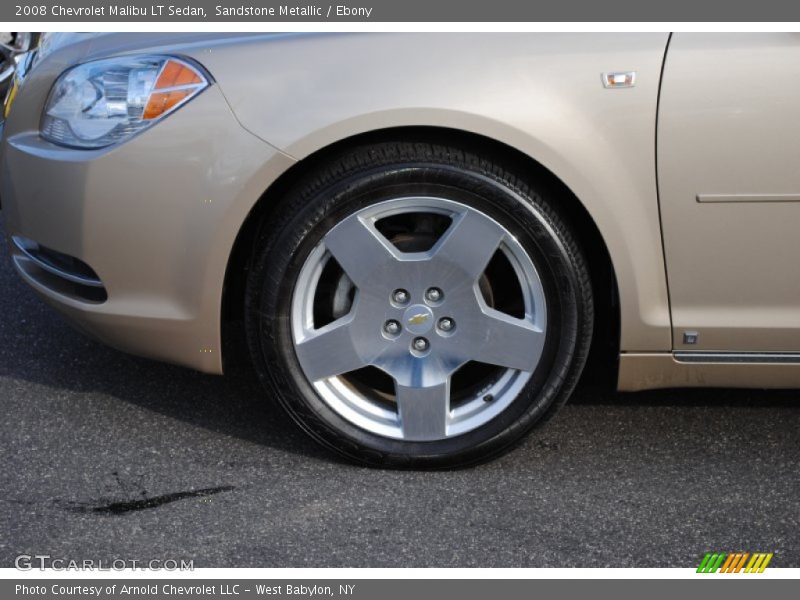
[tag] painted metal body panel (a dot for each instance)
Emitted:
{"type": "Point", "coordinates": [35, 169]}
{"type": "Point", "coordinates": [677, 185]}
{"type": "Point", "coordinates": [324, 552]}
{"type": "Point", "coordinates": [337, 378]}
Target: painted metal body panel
{"type": "Point", "coordinates": [539, 93]}
{"type": "Point", "coordinates": [728, 139]}
{"type": "Point", "coordinates": [135, 212]}
{"type": "Point", "coordinates": [157, 216]}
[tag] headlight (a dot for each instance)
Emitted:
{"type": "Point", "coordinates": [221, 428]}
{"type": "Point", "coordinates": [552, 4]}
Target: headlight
{"type": "Point", "coordinates": [101, 103]}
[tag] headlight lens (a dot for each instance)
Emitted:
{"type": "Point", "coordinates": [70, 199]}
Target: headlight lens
{"type": "Point", "coordinates": [104, 102]}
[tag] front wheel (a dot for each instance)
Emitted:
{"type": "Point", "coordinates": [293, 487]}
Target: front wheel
{"type": "Point", "coordinates": [417, 305]}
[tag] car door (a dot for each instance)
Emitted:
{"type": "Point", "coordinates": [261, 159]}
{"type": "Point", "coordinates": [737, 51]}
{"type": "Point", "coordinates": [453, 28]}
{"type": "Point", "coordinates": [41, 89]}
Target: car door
{"type": "Point", "coordinates": [728, 150]}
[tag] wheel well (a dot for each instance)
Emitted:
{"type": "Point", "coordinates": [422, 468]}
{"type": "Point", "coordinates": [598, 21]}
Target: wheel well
{"type": "Point", "coordinates": [602, 364]}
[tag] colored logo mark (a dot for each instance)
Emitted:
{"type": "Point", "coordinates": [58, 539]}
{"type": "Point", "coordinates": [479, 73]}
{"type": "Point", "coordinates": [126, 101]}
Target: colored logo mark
{"type": "Point", "coordinates": [418, 319]}
{"type": "Point", "coordinates": [738, 562]}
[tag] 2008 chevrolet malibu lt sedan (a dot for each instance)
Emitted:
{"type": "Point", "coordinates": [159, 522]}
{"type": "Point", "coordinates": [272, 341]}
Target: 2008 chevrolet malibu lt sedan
{"type": "Point", "coordinates": [422, 238]}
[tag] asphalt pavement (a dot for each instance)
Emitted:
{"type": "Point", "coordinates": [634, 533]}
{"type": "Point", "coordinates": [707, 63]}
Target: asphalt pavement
{"type": "Point", "coordinates": [108, 456]}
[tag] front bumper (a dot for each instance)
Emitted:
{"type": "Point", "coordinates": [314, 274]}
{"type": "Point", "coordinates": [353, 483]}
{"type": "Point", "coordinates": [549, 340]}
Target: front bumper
{"type": "Point", "coordinates": [155, 220]}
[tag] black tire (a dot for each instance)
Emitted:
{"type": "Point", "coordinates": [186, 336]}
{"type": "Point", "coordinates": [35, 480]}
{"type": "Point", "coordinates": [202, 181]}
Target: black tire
{"type": "Point", "coordinates": [360, 176]}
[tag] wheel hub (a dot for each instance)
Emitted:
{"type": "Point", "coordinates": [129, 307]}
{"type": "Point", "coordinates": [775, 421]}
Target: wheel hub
{"type": "Point", "coordinates": [418, 319]}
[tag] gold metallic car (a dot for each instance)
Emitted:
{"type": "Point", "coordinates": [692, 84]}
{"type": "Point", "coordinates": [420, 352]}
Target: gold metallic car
{"type": "Point", "coordinates": [422, 238]}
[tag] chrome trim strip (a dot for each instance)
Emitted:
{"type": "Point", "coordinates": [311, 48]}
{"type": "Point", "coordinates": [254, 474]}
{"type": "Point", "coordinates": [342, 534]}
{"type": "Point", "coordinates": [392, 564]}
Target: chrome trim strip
{"type": "Point", "coordinates": [748, 197]}
{"type": "Point", "coordinates": [20, 244]}
{"type": "Point", "coordinates": [738, 357]}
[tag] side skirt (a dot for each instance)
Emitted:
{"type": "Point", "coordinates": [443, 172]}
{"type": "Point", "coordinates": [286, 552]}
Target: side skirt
{"type": "Point", "coordinates": [646, 371]}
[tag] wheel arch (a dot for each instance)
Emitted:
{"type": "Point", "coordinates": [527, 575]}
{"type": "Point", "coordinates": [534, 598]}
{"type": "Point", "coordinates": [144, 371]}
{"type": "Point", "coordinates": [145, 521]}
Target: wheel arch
{"type": "Point", "coordinates": [603, 357]}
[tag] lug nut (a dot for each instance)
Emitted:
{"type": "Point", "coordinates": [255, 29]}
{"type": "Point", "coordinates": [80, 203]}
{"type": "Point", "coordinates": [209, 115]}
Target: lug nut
{"type": "Point", "coordinates": [391, 327]}
{"type": "Point", "coordinates": [400, 296]}
{"type": "Point", "coordinates": [420, 344]}
{"type": "Point", "coordinates": [433, 294]}
{"type": "Point", "coordinates": [446, 324]}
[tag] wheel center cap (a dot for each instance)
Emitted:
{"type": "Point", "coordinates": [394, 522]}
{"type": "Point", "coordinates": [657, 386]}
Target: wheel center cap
{"type": "Point", "coordinates": [418, 319]}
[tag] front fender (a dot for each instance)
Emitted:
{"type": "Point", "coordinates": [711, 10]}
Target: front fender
{"type": "Point", "coordinates": [539, 93]}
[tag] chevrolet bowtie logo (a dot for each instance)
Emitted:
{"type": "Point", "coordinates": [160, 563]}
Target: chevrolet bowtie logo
{"type": "Point", "coordinates": [418, 319]}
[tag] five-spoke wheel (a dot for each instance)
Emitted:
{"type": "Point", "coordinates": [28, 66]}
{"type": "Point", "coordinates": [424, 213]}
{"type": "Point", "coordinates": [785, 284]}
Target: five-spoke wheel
{"type": "Point", "coordinates": [419, 315]}
{"type": "Point", "coordinates": [417, 305]}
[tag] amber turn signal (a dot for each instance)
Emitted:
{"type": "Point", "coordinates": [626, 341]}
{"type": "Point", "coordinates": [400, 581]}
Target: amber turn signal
{"type": "Point", "coordinates": [176, 82]}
